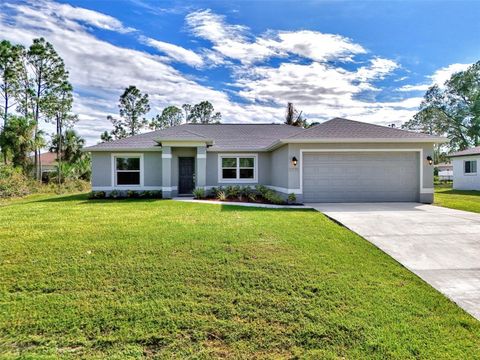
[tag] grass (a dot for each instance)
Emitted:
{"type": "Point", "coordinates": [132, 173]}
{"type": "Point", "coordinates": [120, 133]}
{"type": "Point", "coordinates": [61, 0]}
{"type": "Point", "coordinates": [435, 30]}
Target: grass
{"type": "Point", "coordinates": [156, 278]}
{"type": "Point", "coordinates": [457, 199]}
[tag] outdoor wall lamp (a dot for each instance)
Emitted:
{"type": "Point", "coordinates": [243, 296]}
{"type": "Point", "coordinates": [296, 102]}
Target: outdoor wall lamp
{"type": "Point", "coordinates": [430, 160]}
{"type": "Point", "coordinates": [294, 161]}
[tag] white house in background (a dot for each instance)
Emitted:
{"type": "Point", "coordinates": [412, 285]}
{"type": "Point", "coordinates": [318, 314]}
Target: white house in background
{"type": "Point", "coordinates": [445, 171]}
{"type": "Point", "coordinates": [465, 169]}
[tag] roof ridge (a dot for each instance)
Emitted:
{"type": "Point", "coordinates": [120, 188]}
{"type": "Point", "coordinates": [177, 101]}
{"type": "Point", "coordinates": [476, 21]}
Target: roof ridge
{"type": "Point", "coordinates": [376, 125]}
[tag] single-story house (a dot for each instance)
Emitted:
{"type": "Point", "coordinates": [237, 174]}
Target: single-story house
{"type": "Point", "coordinates": [339, 160]}
{"type": "Point", "coordinates": [465, 164]}
{"type": "Point", "coordinates": [445, 171]}
{"type": "Point", "coordinates": [48, 164]}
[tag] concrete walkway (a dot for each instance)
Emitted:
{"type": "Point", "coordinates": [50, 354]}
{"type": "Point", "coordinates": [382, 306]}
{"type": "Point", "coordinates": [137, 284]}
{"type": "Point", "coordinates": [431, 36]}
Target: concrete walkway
{"type": "Point", "coordinates": [440, 245]}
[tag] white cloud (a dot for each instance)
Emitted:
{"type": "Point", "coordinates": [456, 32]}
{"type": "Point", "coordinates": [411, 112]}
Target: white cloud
{"type": "Point", "coordinates": [175, 52]}
{"type": "Point", "coordinates": [439, 77]}
{"type": "Point", "coordinates": [234, 42]}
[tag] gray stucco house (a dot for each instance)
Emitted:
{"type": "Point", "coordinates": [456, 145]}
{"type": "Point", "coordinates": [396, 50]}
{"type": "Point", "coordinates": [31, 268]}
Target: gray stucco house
{"type": "Point", "coordinates": [339, 160]}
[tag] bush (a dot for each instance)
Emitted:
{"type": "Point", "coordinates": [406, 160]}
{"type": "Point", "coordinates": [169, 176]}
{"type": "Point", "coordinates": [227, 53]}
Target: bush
{"type": "Point", "coordinates": [262, 190]}
{"type": "Point", "coordinates": [132, 194]}
{"type": "Point", "coordinates": [292, 198]}
{"type": "Point", "coordinates": [232, 191]}
{"type": "Point", "coordinates": [273, 197]}
{"type": "Point", "coordinates": [199, 193]}
{"type": "Point", "coordinates": [114, 194]}
{"type": "Point", "coordinates": [156, 194]}
{"type": "Point", "coordinates": [13, 182]}
{"type": "Point", "coordinates": [221, 195]}
{"type": "Point", "coordinates": [97, 195]}
{"type": "Point", "coordinates": [252, 197]}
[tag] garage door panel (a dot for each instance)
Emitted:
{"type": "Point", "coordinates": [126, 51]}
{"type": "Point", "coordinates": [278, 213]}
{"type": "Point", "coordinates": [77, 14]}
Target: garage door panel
{"type": "Point", "coordinates": [360, 177]}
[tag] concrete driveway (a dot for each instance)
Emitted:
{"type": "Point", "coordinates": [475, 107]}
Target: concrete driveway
{"type": "Point", "coordinates": [440, 245]}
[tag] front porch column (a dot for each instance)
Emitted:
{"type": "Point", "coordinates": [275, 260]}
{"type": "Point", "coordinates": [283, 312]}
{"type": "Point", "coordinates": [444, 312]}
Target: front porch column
{"type": "Point", "coordinates": [201, 173]}
{"type": "Point", "coordinates": [166, 172]}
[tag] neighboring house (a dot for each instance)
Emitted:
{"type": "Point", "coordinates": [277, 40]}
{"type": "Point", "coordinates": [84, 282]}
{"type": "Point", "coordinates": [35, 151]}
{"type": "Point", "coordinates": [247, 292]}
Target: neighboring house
{"type": "Point", "coordinates": [337, 161]}
{"type": "Point", "coordinates": [465, 165]}
{"type": "Point", "coordinates": [445, 171]}
{"type": "Point", "coordinates": [48, 162]}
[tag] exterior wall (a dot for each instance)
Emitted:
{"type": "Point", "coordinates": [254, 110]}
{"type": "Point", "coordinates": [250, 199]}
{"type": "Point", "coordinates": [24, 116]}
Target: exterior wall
{"type": "Point", "coordinates": [426, 188]}
{"type": "Point", "coordinates": [263, 169]}
{"type": "Point", "coordinates": [102, 168]}
{"type": "Point", "coordinates": [462, 181]}
{"type": "Point", "coordinates": [279, 167]}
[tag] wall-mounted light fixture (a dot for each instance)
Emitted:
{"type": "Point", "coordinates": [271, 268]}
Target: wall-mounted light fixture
{"type": "Point", "coordinates": [294, 161]}
{"type": "Point", "coordinates": [430, 160]}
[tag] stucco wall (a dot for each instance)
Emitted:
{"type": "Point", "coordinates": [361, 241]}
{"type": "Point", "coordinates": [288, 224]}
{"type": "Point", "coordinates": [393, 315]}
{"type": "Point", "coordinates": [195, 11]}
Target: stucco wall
{"type": "Point", "coordinates": [462, 181]}
{"type": "Point", "coordinates": [279, 167]}
{"type": "Point", "coordinates": [263, 167]}
{"type": "Point", "coordinates": [102, 169]}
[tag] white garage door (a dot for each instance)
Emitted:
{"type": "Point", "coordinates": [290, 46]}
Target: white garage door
{"type": "Point", "coordinates": [360, 177]}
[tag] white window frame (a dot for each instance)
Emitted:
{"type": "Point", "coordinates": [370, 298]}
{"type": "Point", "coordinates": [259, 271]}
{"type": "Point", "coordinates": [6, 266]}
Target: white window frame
{"type": "Point", "coordinates": [237, 179]}
{"type": "Point", "coordinates": [114, 170]}
{"type": "Point", "coordinates": [470, 173]}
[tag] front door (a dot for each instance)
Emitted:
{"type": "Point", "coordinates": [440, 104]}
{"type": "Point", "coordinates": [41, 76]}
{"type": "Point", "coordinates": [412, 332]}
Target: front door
{"type": "Point", "coordinates": [186, 171]}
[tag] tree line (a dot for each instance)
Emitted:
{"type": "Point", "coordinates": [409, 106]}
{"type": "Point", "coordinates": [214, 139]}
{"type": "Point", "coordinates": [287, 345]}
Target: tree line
{"type": "Point", "coordinates": [35, 88]}
{"type": "Point", "coordinates": [134, 105]}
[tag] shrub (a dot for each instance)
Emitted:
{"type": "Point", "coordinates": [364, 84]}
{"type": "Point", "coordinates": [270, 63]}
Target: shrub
{"type": "Point", "coordinates": [273, 197]}
{"type": "Point", "coordinates": [262, 190]}
{"type": "Point", "coordinates": [156, 194]}
{"type": "Point", "coordinates": [114, 194]}
{"type": "Point", "coordinates": [13, 182]}
{"type": "Point", "coordinates": [132, 194]}
{"type": "Point", "coordinates": [221, 195]}
{"type": "Point", "coordinates": [232, 191]}
{"type": "Point", "coordinates": [199, 193]}
{"type": "Point", "coordinates": [97, 195]}
{"type": "Point", "coordinates": [292, 198]}
{"type": "Point", "coordinates": [252, 197]}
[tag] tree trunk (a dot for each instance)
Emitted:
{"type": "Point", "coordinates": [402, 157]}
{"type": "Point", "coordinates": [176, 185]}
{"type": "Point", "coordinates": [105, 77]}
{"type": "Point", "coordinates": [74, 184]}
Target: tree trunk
{"type": "Point", "coordinates": [36, 117]}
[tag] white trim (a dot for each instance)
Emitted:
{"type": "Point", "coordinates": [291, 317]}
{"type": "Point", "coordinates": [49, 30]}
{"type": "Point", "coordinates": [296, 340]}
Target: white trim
{"type": "Point", "coordinates": [422, 190]}
{"type": "Point", "coordinates": [201, 156]}
{"type": "Point", "coordinates": [169, 188]}
{"type": "Point", "coordinates": [166, 156]}
{"type": "Point", "coordinates": [285, 190]}
{"type": "Point", "coordinates": [126, 188]}
{"type": "Point", "coordinates": [364, 140]}
{"type": "Point", "coordinates": [184, 143]}
{"type": "Point", "coordinates": [237, 180]}
{"type": "Point", "coordinates": [114, 170]}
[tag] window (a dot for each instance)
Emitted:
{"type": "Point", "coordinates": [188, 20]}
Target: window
{"type": "Point", "coordinates": [470, 166]}
{"type": "Point", "coordinates": [241, 168]}
{"type": "Point", "coordinates": [127, 170]}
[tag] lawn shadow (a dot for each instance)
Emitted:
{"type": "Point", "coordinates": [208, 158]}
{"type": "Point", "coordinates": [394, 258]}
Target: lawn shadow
{"type": "Point", "coordinates": [460, 192]}
{"type": "Point", "coordinates": [64, 198]}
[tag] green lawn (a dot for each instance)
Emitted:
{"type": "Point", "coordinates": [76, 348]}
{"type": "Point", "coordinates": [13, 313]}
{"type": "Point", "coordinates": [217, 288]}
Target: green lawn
{"type": "Point", "coordinates": [146, 278]}
{"type": "Point", "coordinates": [457, 199]}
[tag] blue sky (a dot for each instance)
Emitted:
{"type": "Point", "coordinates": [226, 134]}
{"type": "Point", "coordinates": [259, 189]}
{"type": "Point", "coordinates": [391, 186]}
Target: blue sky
{"type": "Point", "coordinates": [369, 61]}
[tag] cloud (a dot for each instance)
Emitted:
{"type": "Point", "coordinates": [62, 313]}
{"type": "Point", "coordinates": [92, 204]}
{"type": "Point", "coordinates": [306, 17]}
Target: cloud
{"type": "Point", "coordinates": [235, 42]}
{"type": "Point", "coordinates": [439, 77]}
{"type": "Point", "coordinates": [175, 52]}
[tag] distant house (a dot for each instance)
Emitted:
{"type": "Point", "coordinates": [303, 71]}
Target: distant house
{"type": "Point", "coordinates": [445, 171]}
{"type": "Point", "coordinates": [465, 165]}
{"type": "Point", "coordinates": [48, 162]}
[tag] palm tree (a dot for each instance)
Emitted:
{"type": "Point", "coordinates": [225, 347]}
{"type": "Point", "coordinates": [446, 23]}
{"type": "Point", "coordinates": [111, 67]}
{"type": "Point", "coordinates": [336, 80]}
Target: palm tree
{"type": "Point", "coordinates": [18, 138]}
{"type": "Point", "coordinates": [72, 145]}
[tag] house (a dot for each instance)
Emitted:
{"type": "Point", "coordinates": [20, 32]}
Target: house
{"type": "Point", "coordinates": [48, 164]}
{"type": "Point", "coordinates": [445, 171]}
{"type": "Point", "coordinates": [339, 160]}
{"type": "Point", "coordinates": [465, 163]}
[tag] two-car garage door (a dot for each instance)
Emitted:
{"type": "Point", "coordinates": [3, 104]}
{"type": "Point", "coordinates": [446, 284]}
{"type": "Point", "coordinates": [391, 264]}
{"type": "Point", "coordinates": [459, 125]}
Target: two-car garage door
{"type": "Point", "coordinates": [360, 176]}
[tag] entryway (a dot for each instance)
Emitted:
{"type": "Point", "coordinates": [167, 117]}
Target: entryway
{"type": "Point", "coordinates": [186, 175]}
